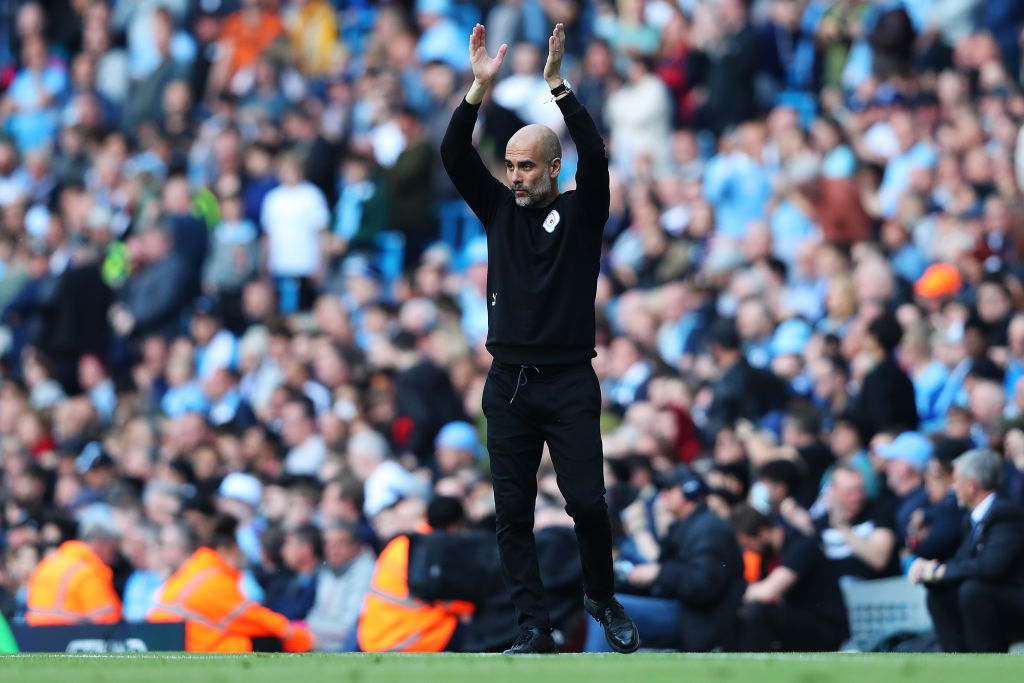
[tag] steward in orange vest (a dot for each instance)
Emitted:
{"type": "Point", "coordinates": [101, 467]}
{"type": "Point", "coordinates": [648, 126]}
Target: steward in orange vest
{"type": "Point", "coordinates": [75, 585]}
{"type": "Point", "coordinates": [391, 619]}
{"type": "Point", "coordinates": [204, 594]}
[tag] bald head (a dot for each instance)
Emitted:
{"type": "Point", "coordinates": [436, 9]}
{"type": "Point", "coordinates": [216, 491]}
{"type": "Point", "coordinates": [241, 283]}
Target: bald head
{"type": "Point", "coordinates": [533, 159]}
{"type": "Point", "coordinates": [534, 134]}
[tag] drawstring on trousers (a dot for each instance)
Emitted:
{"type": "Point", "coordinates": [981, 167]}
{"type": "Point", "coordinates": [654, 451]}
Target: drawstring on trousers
{"type": "Point", "coordinates": [522, 380]}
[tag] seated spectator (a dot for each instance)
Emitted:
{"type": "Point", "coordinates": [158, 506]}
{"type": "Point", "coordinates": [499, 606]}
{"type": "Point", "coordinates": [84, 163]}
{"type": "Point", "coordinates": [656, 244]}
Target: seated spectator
{"type": "Point", "coordinates": [905, 462]}
{"type": "Point", "coordinates": [301, 553]}
{"type": "Point", "coordinates": [740, 391]}
{"type": "Point", "coordinates": [849, 447]}
{"type": "Point", "coordinates": [797, 605]}
{"type": "Point", "coordinates": [307, 450]}
{"type": "Point", "coordinates": [773, 494]}
{"type": "Point", "coordinates": [857, 535]}
{"type": "Point", "coordinates": [935, 530]}
{"type": "Point", "coordinates": [975, 598]}
{"type": "Point", "coordinates": [457, 447]}
{"type": "Point", "coordinates": [204, 594]}
{"type": "Point", "coordinates": [692, 593]}
{"type": "Point", "coordinates": [341, 583]}
{"type": "Point", "coordinates": [384, 480]}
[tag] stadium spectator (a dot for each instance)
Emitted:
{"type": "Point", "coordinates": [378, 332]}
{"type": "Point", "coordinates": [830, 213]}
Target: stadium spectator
{"type": "Point", "coordinates": [687, 600]}
{"type": "Point", "coordinates": [905, 461]}
{"type": "Point", "coordinates": [75, 584]}
{"type": "Point", "coordinates": [391, 620]}
{"type": "Point", "coordinates": [844, 173]}
{"type": "Point", "coordinates": [341, 583]}
{"type": "Point", "coordinates": [204, 594]}
{"type": "Point", "coordinates": [795, 607]}
{"type": "Point", "coordinates": [974, 596]}
{"type": "Point", "coordinates": [302, 553]}
{"type": "Point", "coordinates": [857, 535]}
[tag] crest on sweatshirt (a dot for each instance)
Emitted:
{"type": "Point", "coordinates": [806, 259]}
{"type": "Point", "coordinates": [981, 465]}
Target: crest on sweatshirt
{"type": "Point", "coordinates": [551, 221]}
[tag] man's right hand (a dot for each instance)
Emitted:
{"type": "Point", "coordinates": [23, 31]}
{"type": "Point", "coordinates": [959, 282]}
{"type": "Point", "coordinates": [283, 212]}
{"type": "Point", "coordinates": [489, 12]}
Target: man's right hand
{"type": "Point", "coordinates": [484, 68]}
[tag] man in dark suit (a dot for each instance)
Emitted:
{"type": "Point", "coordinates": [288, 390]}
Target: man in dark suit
{"type": "Point", "coordinates": [976, 598]}
{"type": "Point", "coordinates": [695, 588]}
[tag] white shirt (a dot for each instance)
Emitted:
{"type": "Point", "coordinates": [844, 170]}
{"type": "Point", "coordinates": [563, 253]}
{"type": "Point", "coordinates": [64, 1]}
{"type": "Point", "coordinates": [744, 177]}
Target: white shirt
{"type": "Point", "coordinates": [981, 509]}
{"type": "Point", "coordinates": [292, 218]}
{"type": "Point", "coordinates": [388, 483]}
{"type": "Point", "coordinates": [307, 457]}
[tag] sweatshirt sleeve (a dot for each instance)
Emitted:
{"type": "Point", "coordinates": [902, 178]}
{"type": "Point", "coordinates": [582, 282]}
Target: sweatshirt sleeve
{"type": "Point", "coordinates": [471, 177]}
{"type": "Point", "coordinates": [592, 171]}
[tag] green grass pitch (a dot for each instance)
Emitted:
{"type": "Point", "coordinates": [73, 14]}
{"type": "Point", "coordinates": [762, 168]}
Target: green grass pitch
{"type": "Point", "coordinates": [566, 668]}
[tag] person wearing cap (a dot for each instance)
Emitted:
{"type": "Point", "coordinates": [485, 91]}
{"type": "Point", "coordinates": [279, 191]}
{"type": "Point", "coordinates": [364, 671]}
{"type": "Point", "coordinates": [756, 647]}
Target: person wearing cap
{"type": "Point", "coordinates": [939, 284]}
{"type": "Point", "coordinates": [544, 251]}
{"type": "Point", "coordinates": [240, 495]}
{"type": "Point", "coordinates": [976, 597]}
{"type": "Point", "coordinates": [218, 617]}
{"type": "Point", "coordinates": [96, 468]}
{"type": "Point", "coordinates": [75, 585]}
{"type": "Point", "coordinates": [457, 447]}
{"type": "Point", "coordinates": [687, 600]}
{"type": "Point", "coordinates": [905, 461]}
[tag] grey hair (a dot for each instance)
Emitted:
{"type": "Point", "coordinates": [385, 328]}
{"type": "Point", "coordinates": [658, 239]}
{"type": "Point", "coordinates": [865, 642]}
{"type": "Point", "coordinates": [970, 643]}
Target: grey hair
{"type": "Point", "coordinates": [983, 466]}
{"type": "Point", "coordinates": [370, 443]}
{"type": "Point", "coordinates": [98, 527]}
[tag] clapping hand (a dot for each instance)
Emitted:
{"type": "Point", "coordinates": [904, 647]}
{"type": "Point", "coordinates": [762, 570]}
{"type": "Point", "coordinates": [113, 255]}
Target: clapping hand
{"type": "Point", "coordinates": [556, 50]}
{"type": "Point", "coordinates": [484, 68]}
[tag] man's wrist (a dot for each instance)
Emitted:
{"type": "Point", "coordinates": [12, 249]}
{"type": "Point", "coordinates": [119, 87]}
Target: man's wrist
{"type": "Point", "coordinates": [554, 82]}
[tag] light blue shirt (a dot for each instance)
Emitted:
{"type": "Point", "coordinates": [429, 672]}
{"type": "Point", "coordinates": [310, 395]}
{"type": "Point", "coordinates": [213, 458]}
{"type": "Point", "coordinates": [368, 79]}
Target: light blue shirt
{"type": "Point", "coordinates": [739, 189]}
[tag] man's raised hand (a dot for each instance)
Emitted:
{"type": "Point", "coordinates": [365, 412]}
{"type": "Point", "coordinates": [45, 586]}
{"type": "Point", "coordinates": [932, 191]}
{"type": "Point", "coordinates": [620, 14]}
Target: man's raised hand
{"type": "Point", "coordinates": [556, 50]}
{"type": "Point", "coordinates": [484, 68]}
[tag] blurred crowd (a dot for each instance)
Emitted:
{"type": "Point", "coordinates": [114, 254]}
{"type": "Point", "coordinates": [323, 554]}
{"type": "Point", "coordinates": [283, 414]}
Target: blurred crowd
{"type": "Point", "coordinates": [234, 279]}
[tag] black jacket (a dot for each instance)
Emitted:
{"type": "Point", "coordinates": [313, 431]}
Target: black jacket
{"type": "Point", "coordinates": [743, 391]}
{"type": "Point", "coordinates": [543, 263]}
{"type": "Point", "coordinates": [995, 550]}
{"type": "Point", "coordinates": [702, 568]}
{"type": "Point", "coordinates": [886, 400]}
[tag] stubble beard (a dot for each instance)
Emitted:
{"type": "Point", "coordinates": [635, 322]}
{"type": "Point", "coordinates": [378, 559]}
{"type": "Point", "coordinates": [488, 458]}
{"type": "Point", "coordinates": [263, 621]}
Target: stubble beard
{"type": "Point", "coordinates": [533, 195]}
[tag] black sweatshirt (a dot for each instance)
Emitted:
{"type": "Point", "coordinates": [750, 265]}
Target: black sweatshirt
{"type": "Point", "coordinates": [543, 263]}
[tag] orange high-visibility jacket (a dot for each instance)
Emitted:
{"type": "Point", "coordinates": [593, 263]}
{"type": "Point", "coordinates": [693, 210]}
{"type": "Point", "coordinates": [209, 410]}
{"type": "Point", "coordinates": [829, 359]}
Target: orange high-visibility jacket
{"type": "Point", "coordinates": [393, 621]}
{"type": "Point", "coordinates": [218, 617]}
{"type": "Point", "coordinates": [72, 586]}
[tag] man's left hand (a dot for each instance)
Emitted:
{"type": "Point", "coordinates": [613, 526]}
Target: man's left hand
{"type": "Point", "coordinates": [556, 50]}
{"type": "Point", "coordinates": [644, 574]}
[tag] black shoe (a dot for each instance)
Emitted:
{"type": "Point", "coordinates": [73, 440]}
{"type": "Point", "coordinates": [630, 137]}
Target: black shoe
{"type": "Point", "coordinates": [619, 629]}
{"type": "Point", "coordinates": [533, 641]}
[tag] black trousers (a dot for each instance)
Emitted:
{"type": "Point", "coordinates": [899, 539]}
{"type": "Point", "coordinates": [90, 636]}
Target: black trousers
{"type": "Point", "coordinates": [525, 407]}
{"type": "Point", "coordinates": [976, 616]}
{"type": "Point", "coordinates": [766, 627]}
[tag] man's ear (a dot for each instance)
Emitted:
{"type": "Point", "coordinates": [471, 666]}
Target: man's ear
{"type": "Point", "coordinates": [556, 167]}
